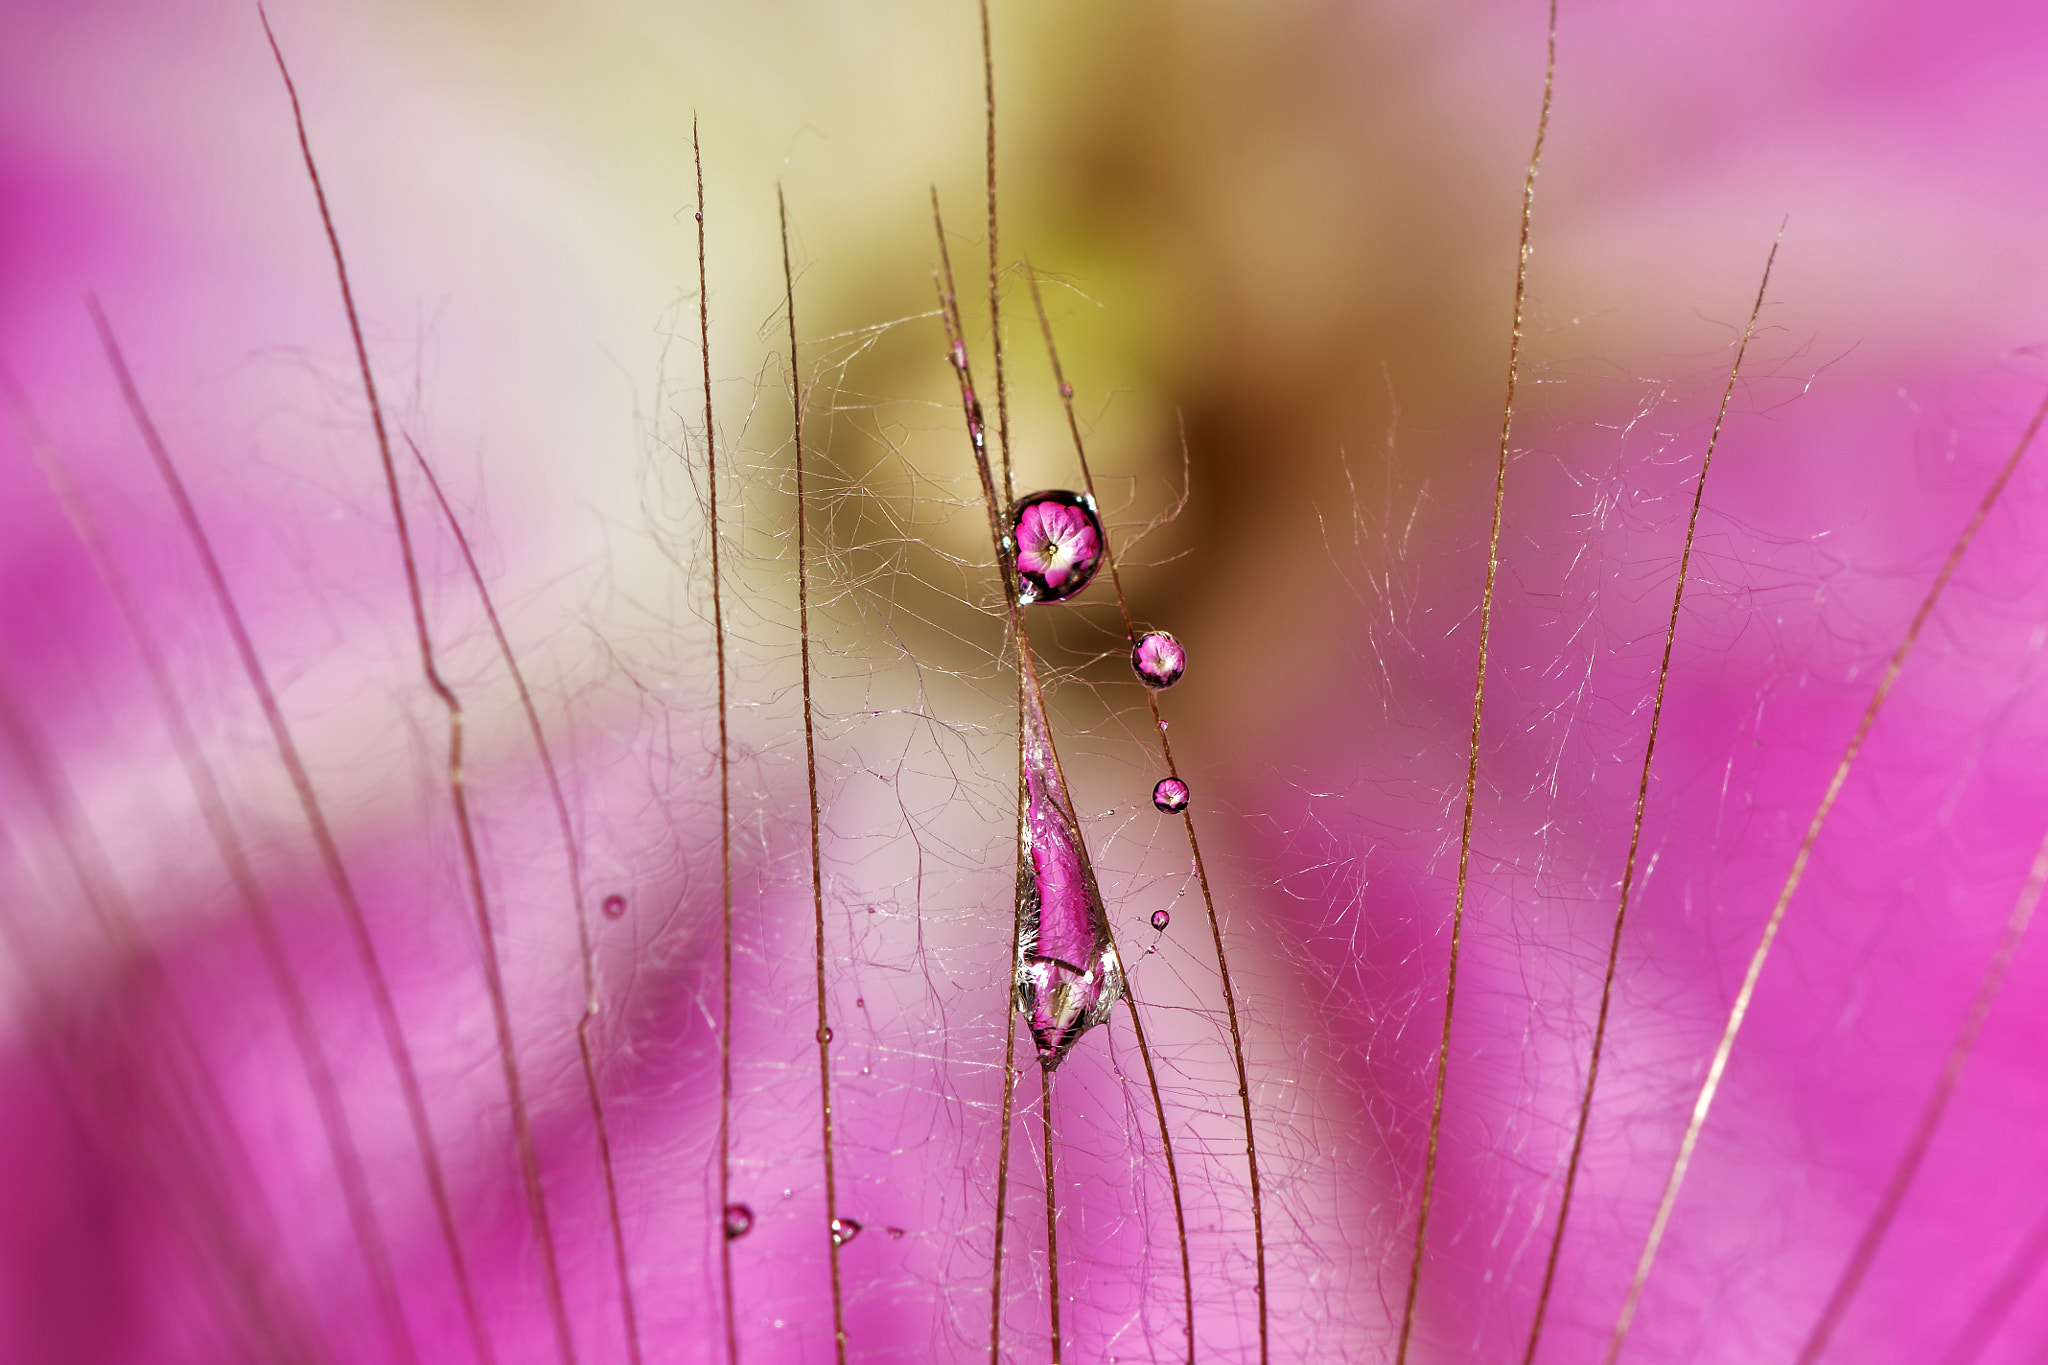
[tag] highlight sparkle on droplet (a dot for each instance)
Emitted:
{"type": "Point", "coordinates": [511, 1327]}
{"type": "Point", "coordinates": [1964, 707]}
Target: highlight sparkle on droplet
{"type": "Point", "coordinates": [1160, 919]}
{"type": "Point", "coordinates": [844, 1230]}
{"type": "Point", "coordinates": [739, 1221]}
{"type": "Point", "coordinates": [1170, 795]}
{"type": "Point", "coordinates": [1158, 659]}
{"type": "Point", "coordinates": [1058, 545]}
{"type": "Point", "coordinates": [614, 906]}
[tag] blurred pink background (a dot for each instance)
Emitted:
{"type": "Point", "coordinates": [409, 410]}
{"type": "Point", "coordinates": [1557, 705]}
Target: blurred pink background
{"type": "Point", "coordinates": [1290, 225]}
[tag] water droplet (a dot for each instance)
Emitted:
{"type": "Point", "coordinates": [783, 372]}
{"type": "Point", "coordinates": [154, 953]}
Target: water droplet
{"type": "Point", "coordinates": [860, 1002]}
{"type": "Point", "coordinates": [698, 215]}
{"type": "Point", "coordinates": [1066, 390]}
{"type": "Point", "coordinates": [1171, 795]}
{"type": "Point", "coordinates": [788, 1193]}
{"type": "Point", "coordinates": [614, 906]}
{"type": "Point", "coordinates": [895, 1234]}
{"type": "Point", "coordinates": [1160, 919]}
{"type": "Point", "coordinates": [1058, 545]}
{"type": "Point", "coordinates": [1158, 659]}
{"type": "Point", "coordinates": [844, 1230]}
{"type": "Point", "coordinates": [739, 1221]}
{"type": "Point", "coordinates": [825, 1035]}
{"type": "Point", "coordinates": [1072, 980]}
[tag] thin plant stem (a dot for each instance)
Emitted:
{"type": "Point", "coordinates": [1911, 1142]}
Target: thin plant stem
{"type": "Point", "coordinates": [1718, 1064]}
{"type": "Point", "coordinates": [1052, 1225]}
{"type": "Point", "coordinates": [313, 1058]}
{"type": "Point", "coordinates": [803, 608]}
{"type": "Point", "coordinates": [587, 1019]}
{"type": "Point", "coordinates": [949, 313]}
{"type": "Point", "coordinates": [732, 1340]}
{"type": "Point", "coordinates": [1931, 1112]}
{"type": "Point", "coordinates": [1635, 836]}
{"type": "Point", "coordinates": [995, 300]}
{"type": "Point", "coordinates": [1500, 484]}
{"type": "Point", "coordinates": [1109, 560]}
{"type": "Point", "coordinates": [458, 791]}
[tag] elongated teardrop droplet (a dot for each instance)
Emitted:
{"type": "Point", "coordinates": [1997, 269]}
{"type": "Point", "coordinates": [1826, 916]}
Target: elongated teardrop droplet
{"type": "Point", "coordinates": [1170, 795]}
{"type": "Point", "coordinates": [1068, 979]}
{"type": "Point", "coordinates": [1058, 545]}
{"type": "Point", "coordinates": [1160, 919]}
{"type": "Point", "coordinates": [1158, 659]}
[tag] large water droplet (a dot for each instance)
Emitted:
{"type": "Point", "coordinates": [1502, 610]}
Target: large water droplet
{"type": "Point", "coordinates": [1068, 977]}
{"type": "Point", "coordinates": [1059, 545]}
{"type": "Point", "coordinates": [1160, 919]}
{"type": "Point", "coordinates": [844, 1230]}
{"type": "Point", "coordinates": [1171, 795]}
{"type": "Point", "coordinates": [739, 1221]}
{"type": "Point", "coordinates": [1158, 659]}
{"type": "Point", "coordinates": [614, 906]}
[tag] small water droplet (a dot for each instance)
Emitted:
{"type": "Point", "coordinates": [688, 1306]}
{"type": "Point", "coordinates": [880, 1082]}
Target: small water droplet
{"type": "Point", "coordinates": [1158, 659]}
{"type": "Point", "coordinates": [698, 215]}
{"type": "Point", "coordinates": [1160, 919]}
{"type": "Point", "coordinates": [825, 1035]}
{"type": "Point", "coordinates": [860, 1002]}
{"type": "Point", "coordinates": [614, 906]}
{"type": "Point", "coordinates": [895, 1234]}
{"type": "Point", "coordinates": [1056, 545]}
{"type": "Point", "coordinates": [739, 1221]}
{"type": "Point", "coordinates": [1170, 795]}
{"type": "Point", "coordinates": [787, 1193]}
{"type": "Point", "coordinates": [844, 1230]}
{"type": "Point", "coordinates": [1066, 390]}
{"type": "Point", "coordinates": [1162, 725]}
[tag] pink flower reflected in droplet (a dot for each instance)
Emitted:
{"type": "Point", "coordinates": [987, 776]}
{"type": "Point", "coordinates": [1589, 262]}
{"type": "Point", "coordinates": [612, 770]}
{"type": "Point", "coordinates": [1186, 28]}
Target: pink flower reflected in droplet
{"type": "Point", "coordinates": [1059, 545]}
